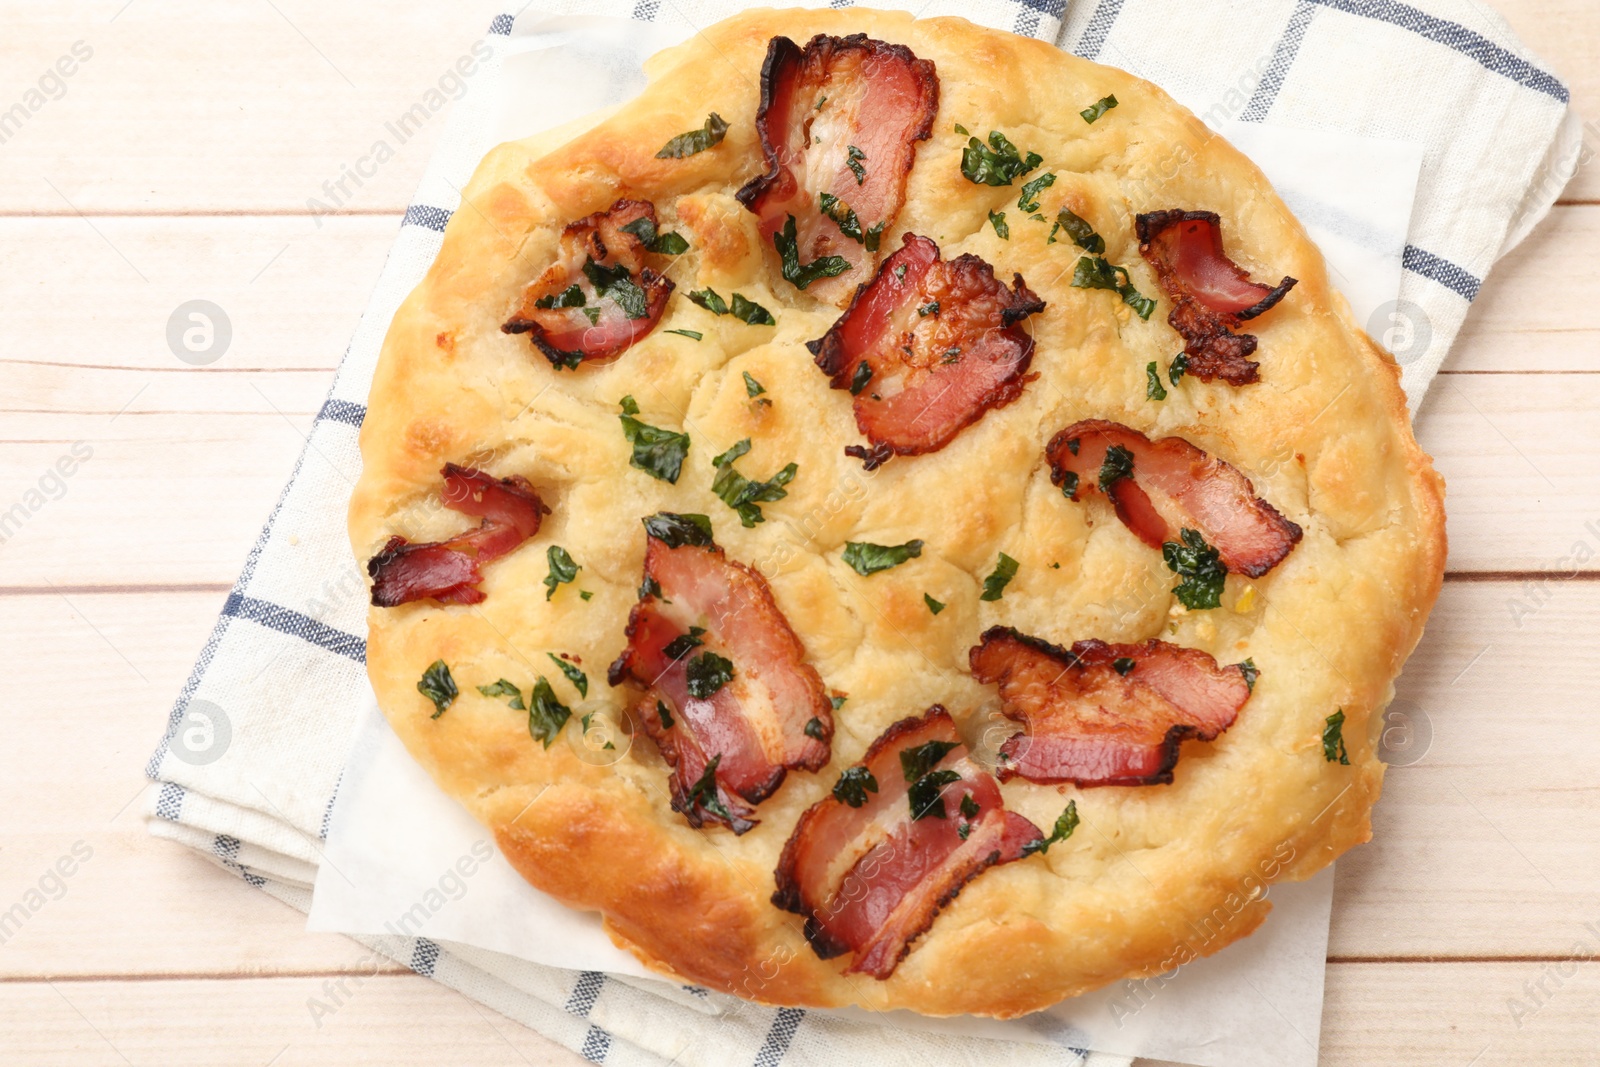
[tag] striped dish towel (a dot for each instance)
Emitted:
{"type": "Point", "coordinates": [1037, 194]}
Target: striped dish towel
{"type": "Point", "coordinates": [251, 758]}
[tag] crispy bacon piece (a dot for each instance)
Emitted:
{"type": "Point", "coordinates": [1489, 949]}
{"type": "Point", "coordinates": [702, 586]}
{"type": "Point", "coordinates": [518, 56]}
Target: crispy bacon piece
{"type": "Point", "coordinates": [840, 117]}
{"type": "Point", "coordinates": [941, 344]}
{"type": "Point", "coordinates": [774, 715]}
{"type": "Point", "coordinates": [872, 879]}
{"type": "Point", "coordinates": [448, 571]}
{"type": "Point", "coordinates": [605, 264]}
{"type": "Point", "coordinates": [1090, 723]}
{"type": "Point", "coordinates": [1173, 485]}
{"type": "Point", "coordinates": [1210, 295]}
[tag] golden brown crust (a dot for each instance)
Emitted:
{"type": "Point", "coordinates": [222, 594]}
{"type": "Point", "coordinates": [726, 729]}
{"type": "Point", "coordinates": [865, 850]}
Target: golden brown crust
{"type": "Point", "coordinates": [1156, 874]}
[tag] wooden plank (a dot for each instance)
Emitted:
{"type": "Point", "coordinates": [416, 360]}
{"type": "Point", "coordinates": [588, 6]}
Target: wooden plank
{"type": "Point", "coordinates": [183, 108]}
{"type": "Point", "coordinates": [1565, 36]}
{"type": "Point", "coordinates": [396, 1020]}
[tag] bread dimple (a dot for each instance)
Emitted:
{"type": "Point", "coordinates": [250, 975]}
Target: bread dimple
{"type": "Point", "coordinates": [1324, 437]}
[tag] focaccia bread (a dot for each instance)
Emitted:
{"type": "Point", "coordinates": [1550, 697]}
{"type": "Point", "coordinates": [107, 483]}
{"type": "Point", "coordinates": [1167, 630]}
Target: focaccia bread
{"type": "Point", "coordinates": [868, 518]}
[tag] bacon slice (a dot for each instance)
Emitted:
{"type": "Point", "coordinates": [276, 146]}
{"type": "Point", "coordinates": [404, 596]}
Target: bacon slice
{"type": "Point", "coordinates": [819, 103]}
{"type": "Point", "coordinates": [943, 344]}
{"type": "Point", "coordinates": [755, 726]}
{"type": "Point", "coordinates": [1091, 724]}
{"type": "Point", "coordinates": [596, 253]}
{"type": "Point", "coordinates": [1174, 484]}
{"type": "Point", "coordinates": [1211, 296]}
{"type": "Point", "coordinates": [872, 879]}
{"type": "Point", "coordinates": [448, 571]}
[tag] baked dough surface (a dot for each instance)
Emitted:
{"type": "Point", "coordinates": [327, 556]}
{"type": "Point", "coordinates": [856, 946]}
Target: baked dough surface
{"type": "Point", "coordinates": [1154, 875]}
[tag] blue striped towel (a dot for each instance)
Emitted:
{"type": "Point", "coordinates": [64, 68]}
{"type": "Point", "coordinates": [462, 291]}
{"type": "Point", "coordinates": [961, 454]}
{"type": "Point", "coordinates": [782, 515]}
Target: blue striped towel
{"type": "Point", "coordinates": [252, 754]}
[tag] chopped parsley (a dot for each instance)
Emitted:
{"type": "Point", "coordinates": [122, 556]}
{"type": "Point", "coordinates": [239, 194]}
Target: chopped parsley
{"type": "Point", "coordinates": [743, 309]}
{"type": "Point", "coordinates": [969, 807]}
{"type": "Point", "coordinates": [575, 675]}
{"type": "Point", "coordinates": [1098, 108]}
{"type": "Point", "coordinates": [998, 163]}
{"type": "Point", "coordinates": [707, 673]}
{"type": "Point", "coordinates": [962, 130]}
{"type": "Point", "coordinates": [1123, 665]}
{"type": "Point", "coordinates": [1180, 363]}
{"type": "Point", "coordinates": [696, 141]}
{"type": "Point", "coordinates": [1093, 272]}
{"type": "Point", "coordinates": [926, 794]}
{"type": "Point", "coordinates": [1079, 230]}
{"type": "Point", "coordinates": [918, 760]}
{"type": "Point", "coordinates": [1072, 445]}
{"type": "Point", "coordinates": [693, 335]}
{"type": "Point", "coordinates": [562, 569]}
{"type": "Point", "coordinates": [1200, 569]}
{"type": "Point", "coordinates": [1333, 739]}
{"type": "Point", "coordinates": [814, 728]}
{"type": "Point", "coordinates": [951, 355]}
{"type": "Point", "coordinates": [752, 387]}
{"type": "Point", "coordinates": [572, 298]}
{"type": "Point", "coordinates": [503, 688]}
{"type": "Point", "coordinates": [438, 686]}
{"type": "Point", "coordinates": [708, 299]}
{"type": "Point", "coordinates": [744, 495]}
{"type": "Point", "coordinates": [1117, 465]}
{"type": "Point", "coordinates": [794, 273]}
{"type": "Point", "coordinates": [999, 224]}
{"type": "Point", "coordinates": [683, 644]}
{"type": "Point", "coordinates": [666, 244]}
{"type": "Point", "coordinates": [862, 376]}
{"type": "Point", "coordinates": [838, 701]}
{"type": "Point", "coordinates": [546, 714]}
{"type": "Point", "coordinates": [994, 586]}
{"type": "Point", "coordinates": [586, 594]}
{"type": "Point", "coordinates": [1153, 389]}
{"type": "Point", "coordinates": [1069, 484]}
{"type": "Point", "coordinates": [930, 308]}
{"type": "Point", "coordinates": [900, 273]}
{"type": "Point", "coordinates": [844, 217]}
{"type": "Point", "coordinates": [675, 531]}
{"type": "Point", "coordinates": [854, 785]}
{"type": "Point", "coordinates": [1251, 672]}
{"type": "Point", "coordinates": [866, 559]}
{"type": "Point", "coordinates": [1029, 200]}
{"type": "Point", "coordinates": [1066, 822]}
{"type": "Point", "coordinates": [664, 714]}
{"type": "Point", "coordinates": [615, 283]}
{"type": "Point", "coordinates": [933, 605]}
{"type": "Point", "coordinates": [657, 452]}
{"type": "Point", "coordinates": [852, 159]}
{"type": "Point", "coordinates": [703, 794]}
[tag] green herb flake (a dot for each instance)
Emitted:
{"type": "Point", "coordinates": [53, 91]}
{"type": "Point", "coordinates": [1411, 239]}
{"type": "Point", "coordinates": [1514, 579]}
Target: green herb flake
{"type": "Point", "coordinates": [1123, 664]}
{"type": "Point", "coordinates": [707, 673]}
{"type": "Point", "coordinates": [562, 569]}
{"type": "Point", "coordinates": [1029, 200]}
{"type": "Point", "coordinates": [852, 159]}
{"type": "Point", "coordinates": [930, 308]}
{"type": "Point", "coordinates": [962, 130]}
{"type": "Point", "coordinates": [794, 273]}
{"type": "Point", "coordinates": [1153, 389]}
{"type": "Point", "coordinates": [867, 559]}
{"type": "Point", "coordinates": [683, 644]}
{"type": "Point", "coordinates": [703, 794]}
{"type": "Point", "coordinates": [1333, 749]}
{"type": "Point", "coordinates": [665, 244]}
{"type": "Point", "coordinates": [854, 785]}
{"type": "Point", "coordinates": [1251, 672]}
{"type": "Point", "coordinates": [918, 760]}
{"type": "Point", "coordinates": [437, 685]}
{"type": "Point", "coordinates": [1080, 231]}
{"type": "Point", "coordinates": [696, 141]}
{"type": "Point", "coordinates": [693, 335]}
{"type": "Point", "coordinates": [1093, 272]}
{"type": "Point", "coordinates": [752, 387]}
{"type": "Point", "coordinates": [744, 495]}
{"type": "Point", "coordinates": [657, 452]}
{"type": "Point", "coordinates": [616, 284]}
{"type": "Point", "coordinates": [994, 586]}
{"type": "Point", "coordinates": [814, 728]}
{"type": "Point", "coordinates": [1098, 108]}
{"type": "Point", "coordinates": [1066, 822]}
{"type": "Point", "coordinates": [629, 405]}
{"type": "Point", "coordinates": [546, 714]}
{"type": "Point", "coordinates": [572, 298]}
{"type": "Point", "coordinates": [926, 794]}
{"type": "Point", "coordinates": [900, 273]}
{"type": "Point", "coordinates": [750, 312]}
{"type": "Point", "coordinates": [586, 595]}
{"type": "Point", "coordinates": [1069, 484]}
{"type": "Point", "coordinates": [574, 673]}
{"type": "Point", "coordinates": [664, 714]}
{"type": "Point", "coordinates": [999, 224]}
{"type": "Point", "coordinates": [1180, 363]}
{"type": "Point", "coordinates": [503, 688]}
{"type": "Point", "coordinates": [844, 216]}
{"type": "Point", "coordinates": [838, 701]}
{"type": "Point", "coordinates": [969, 806]}
{"type": "Point", "coordinates": [862, 376]}
{"type": "Point", "coordinates": [1200, 569]}
{"type": "Point", "coordinates": [998, 163]}
{"type": "Point", "coordinates": [708, 299]}
{"type": "Point", "coordinates": [675, 531]}
{"type": "Point", "coordinates": [933, 605]}
{"type": "Point", "coordinates": [1117, 465]}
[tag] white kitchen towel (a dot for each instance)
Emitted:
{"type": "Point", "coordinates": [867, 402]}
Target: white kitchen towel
{"type": "Point", "coordinates": [250, 762]}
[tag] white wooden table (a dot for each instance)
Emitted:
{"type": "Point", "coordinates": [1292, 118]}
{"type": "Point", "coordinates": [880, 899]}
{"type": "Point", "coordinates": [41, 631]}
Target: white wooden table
{"type": "Point", "coordinates": [175, 163]}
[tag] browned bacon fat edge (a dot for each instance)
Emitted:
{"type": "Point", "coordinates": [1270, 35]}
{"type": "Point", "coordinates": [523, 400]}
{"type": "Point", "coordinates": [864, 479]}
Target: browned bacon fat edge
{"type": "Point", "coordinates": [927, 348]}
{"type": "Point", "coordinates": [839, 121]}
{"type": "Point", "coordinates": [732, 702]}
{"type": "Point", "coordinates": [449, 571]}
{"type": "Point", "coordinates": [1158, 487]}
{"type": "Point", "coordinates": [1104, 714]}
{"type": "Point", "coordinates": [598, 297]}
{"type": "Point", "coordinates": [871, 866]}
{"type": "Point", "coordinates": [1211, 296]}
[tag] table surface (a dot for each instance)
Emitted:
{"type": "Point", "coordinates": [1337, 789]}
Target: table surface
{"type": "Point", "coordinates": [177, 163]}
